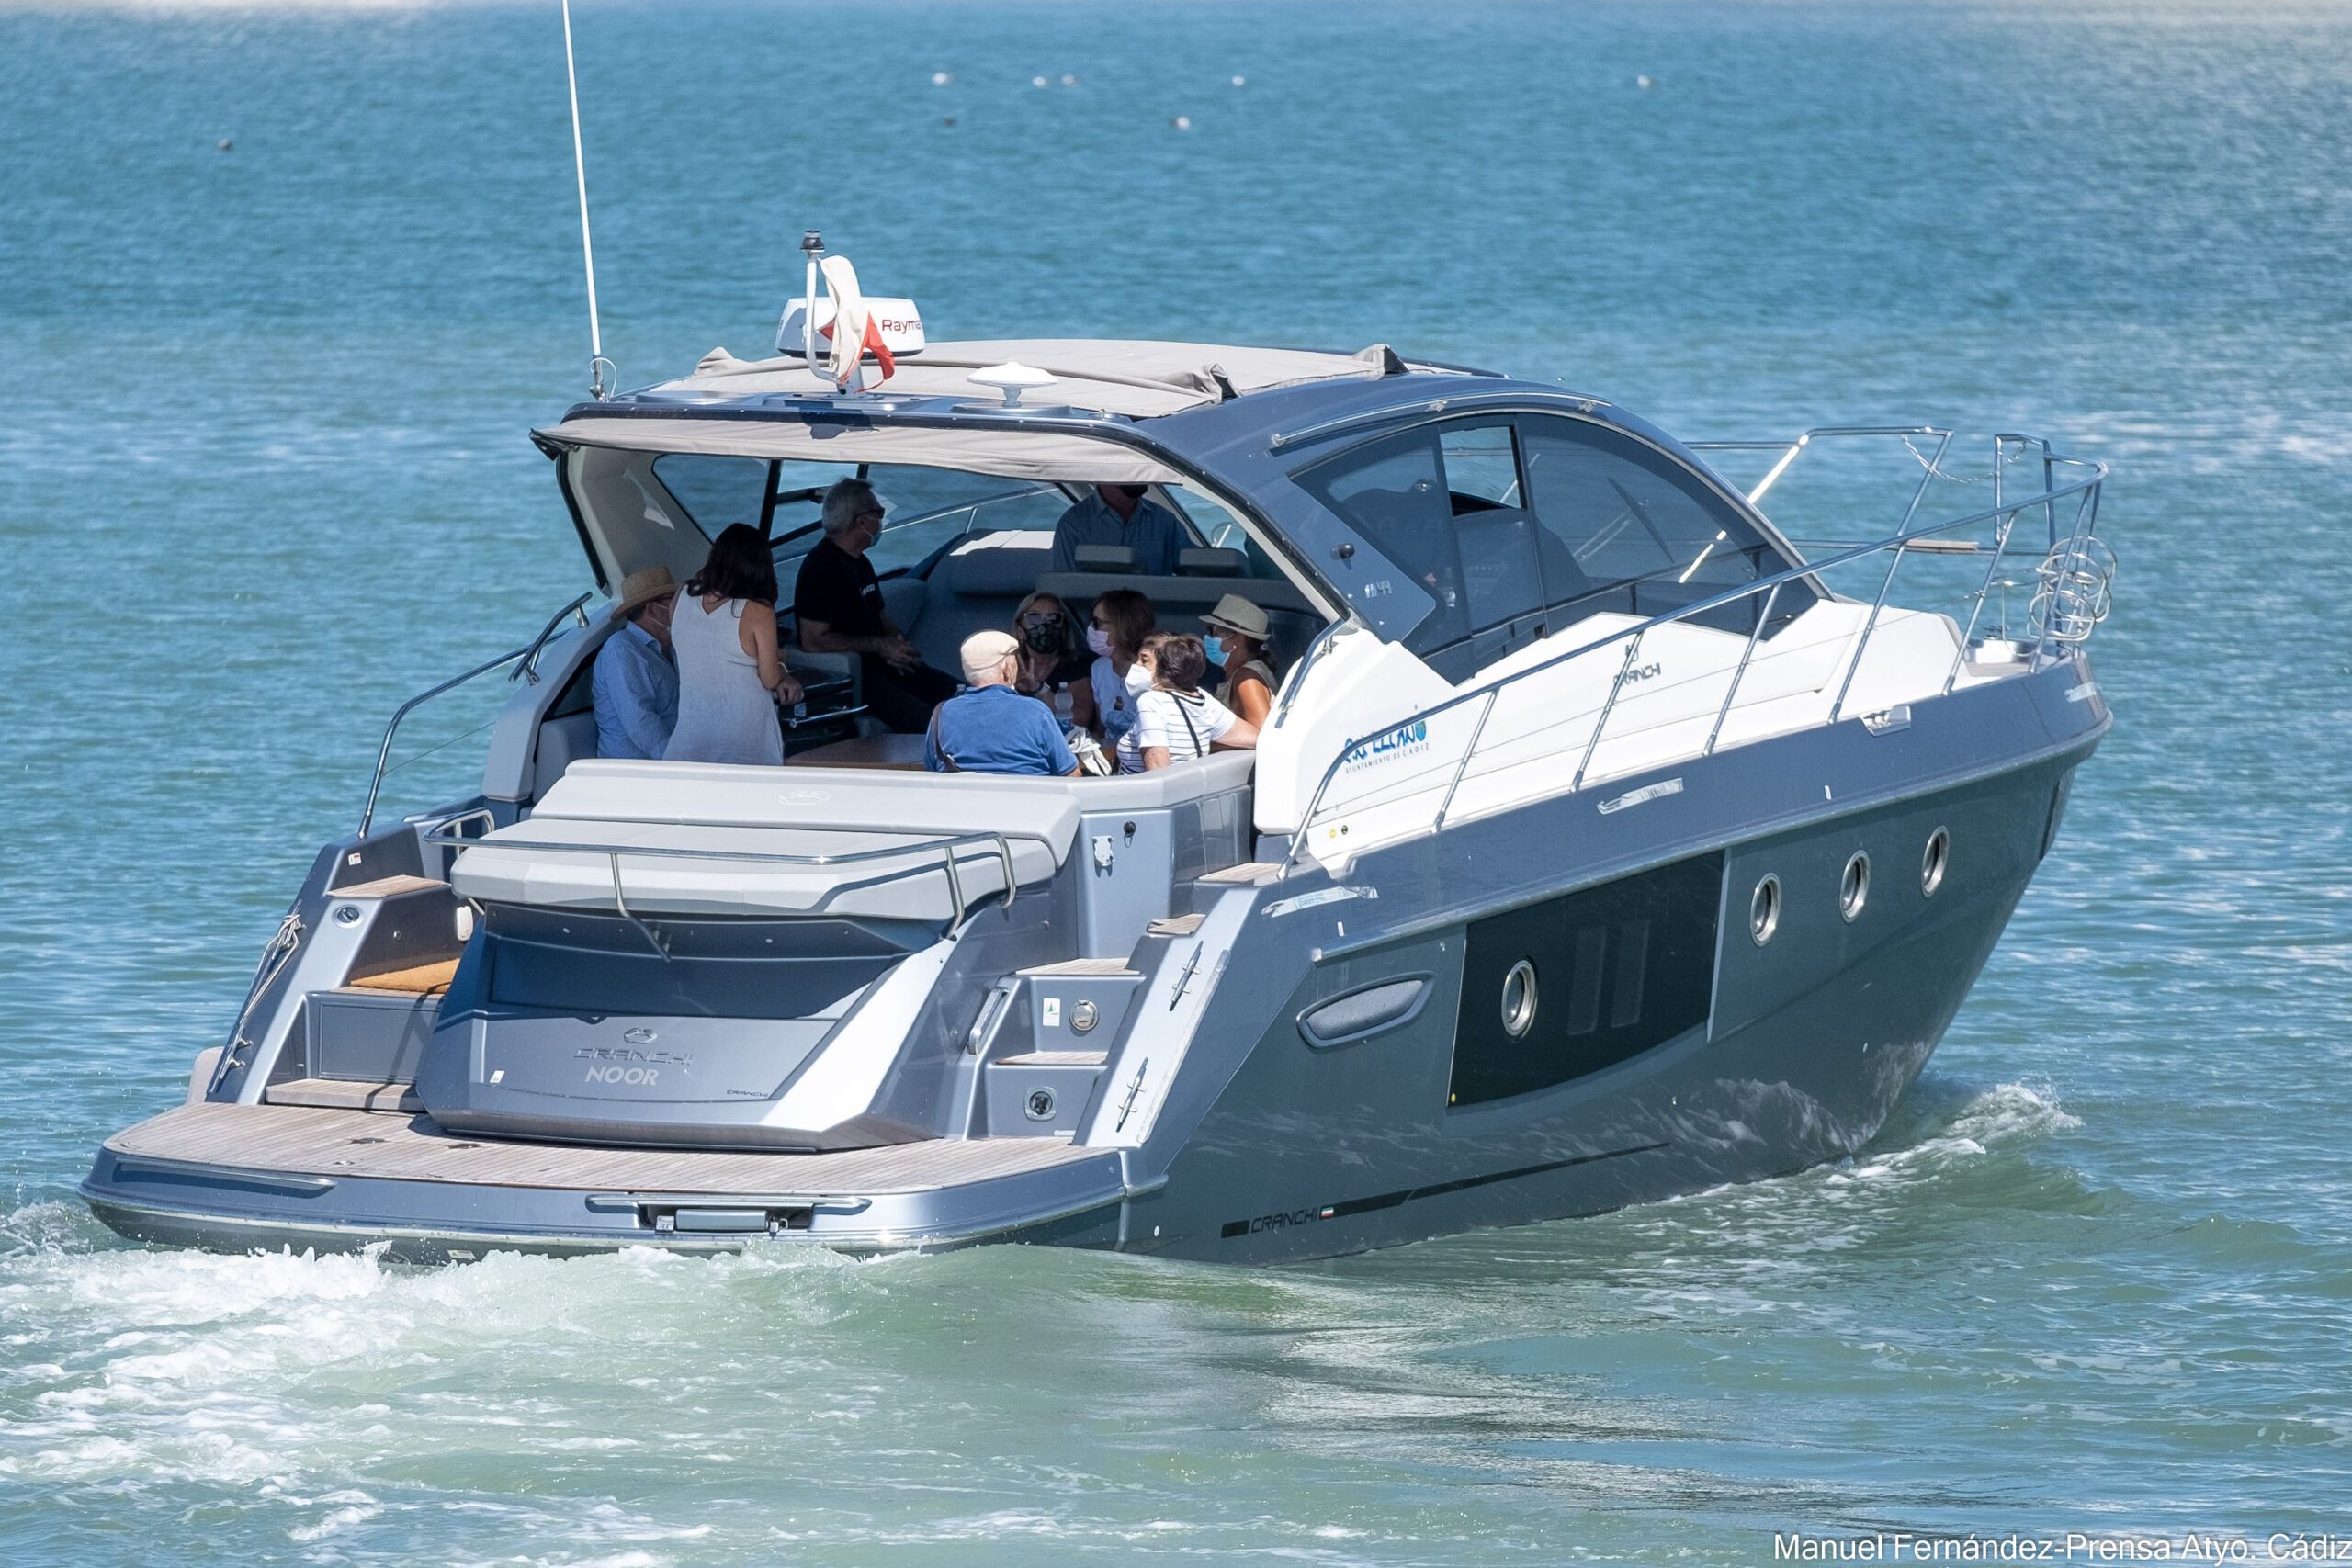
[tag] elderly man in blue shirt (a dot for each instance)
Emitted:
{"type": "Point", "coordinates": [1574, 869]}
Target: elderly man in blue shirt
{"type": "Point", "coordinates": [993, 728]}
{"type": "Point", "coordinates": [1121, 514]}
{"type": "Point", "coordinates": [636, 677]}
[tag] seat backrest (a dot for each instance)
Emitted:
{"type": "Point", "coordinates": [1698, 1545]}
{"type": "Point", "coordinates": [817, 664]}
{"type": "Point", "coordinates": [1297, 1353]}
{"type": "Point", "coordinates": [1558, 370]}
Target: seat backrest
{"type": "Point", "coordinates": [1106, 557]}
{"type": "Point", "coordinates": [1207, 563]}
{"type": "Point", "coordinates": [563, 741]}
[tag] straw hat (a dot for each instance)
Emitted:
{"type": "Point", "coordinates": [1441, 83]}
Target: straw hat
{"type": "Point", "coordinates": [1234, 614]}
{"type": "Point", "coordinates": [643, 586]}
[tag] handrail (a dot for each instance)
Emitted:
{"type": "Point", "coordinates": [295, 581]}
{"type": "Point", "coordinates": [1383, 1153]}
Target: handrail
{"type": "Point", "coordinates": [1474, 398]}
{"type": "Point", "coordinates": [384, 751]}
{"type": "Point", "coordinates": [527, 656]}
{"type": "Point", "coordinates": [950, 844]}
{"type": "Point", "coordinates": [2086, 488]}
{"type": "Point", "coordinates": [530, 665]}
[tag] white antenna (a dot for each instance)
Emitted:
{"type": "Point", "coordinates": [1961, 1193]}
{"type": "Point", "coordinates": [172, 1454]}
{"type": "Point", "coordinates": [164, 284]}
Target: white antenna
{"type": "Point", "coordinates": [598, 365]}
{"type": "Point", "coordinates": [812, 247]}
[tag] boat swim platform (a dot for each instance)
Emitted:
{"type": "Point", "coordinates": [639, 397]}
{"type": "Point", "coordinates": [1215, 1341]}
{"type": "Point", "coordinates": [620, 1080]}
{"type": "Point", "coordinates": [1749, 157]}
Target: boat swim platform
{"type": "Point", "coordinates": [339, 1142]}
{"type": "Point", "coordinates": [241, 1178]}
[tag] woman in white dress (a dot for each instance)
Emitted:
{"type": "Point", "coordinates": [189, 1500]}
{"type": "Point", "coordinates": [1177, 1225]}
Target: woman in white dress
{"type": "Point", "coordinates": [730, 671]}
{"type": "Point", "coordinates": [1104, 706]}
{"type": "Point", "coordinates": [1175, 720]}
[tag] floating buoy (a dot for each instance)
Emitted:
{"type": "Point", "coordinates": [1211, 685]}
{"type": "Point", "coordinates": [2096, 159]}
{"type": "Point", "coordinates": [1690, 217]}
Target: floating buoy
{"type": "Point", "coordinates": [941, 78]}
{"type": "Point", "coordinates": [226, 144]}
{"type": "Point", "coordinates": [1182, 122]}
{"type": "Point", "coordinates": [1036, 80]}
{"type": "Point", "coordinates": [1644, 83]}
{"type": "Point", "coordinates": [1069, 80]}
{"type": "Point", "coordinates": [1241, 81]}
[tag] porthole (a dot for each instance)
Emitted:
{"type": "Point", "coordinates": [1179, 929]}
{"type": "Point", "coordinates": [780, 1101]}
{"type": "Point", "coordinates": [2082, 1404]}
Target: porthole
{"type": "Point", "coordinates": [1933, 861]}
{"type": "Point", "coordinates": [1764, 910]}
{"type": "Point", "coordinates": [1519, 999]}
{"type": "Point", "coordinates": [1854, 887]}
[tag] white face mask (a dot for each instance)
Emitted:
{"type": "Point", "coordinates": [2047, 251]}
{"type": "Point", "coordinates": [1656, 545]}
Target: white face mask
{"type": "Point", "coordinates": [1138, 679]}
{"type": "Point", "coordinates": [1098, 641]}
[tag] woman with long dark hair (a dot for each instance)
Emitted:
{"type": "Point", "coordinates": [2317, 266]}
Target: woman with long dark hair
{"type": "Point", "coordinates": [731, 668]}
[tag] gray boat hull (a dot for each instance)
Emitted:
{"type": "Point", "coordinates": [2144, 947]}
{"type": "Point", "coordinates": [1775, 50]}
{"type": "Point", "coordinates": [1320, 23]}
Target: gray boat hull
{"type": "Point", "coordinates": [1272, 1144]}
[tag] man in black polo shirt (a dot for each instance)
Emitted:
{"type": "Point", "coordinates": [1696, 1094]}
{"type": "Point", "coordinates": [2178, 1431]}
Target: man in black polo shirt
{"type": "Point", "coordinates": [838, 605]}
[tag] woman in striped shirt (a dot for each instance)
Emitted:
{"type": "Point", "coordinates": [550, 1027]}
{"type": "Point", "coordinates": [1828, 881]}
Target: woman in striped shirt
{"type": "Point", "coordinates": [1175, 720]}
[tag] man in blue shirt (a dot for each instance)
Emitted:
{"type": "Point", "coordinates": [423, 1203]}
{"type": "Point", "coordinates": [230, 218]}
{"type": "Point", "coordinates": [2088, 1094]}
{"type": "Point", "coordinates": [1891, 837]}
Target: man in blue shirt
{"type": "Point", "coordinates": [993, 728]}
{"type": "Point", "coordinates": [1118, 515]}
{"type": "Point", "coordinates": [636, 678]}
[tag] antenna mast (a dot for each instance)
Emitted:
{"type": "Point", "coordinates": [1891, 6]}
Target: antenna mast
{"type": "Point", "coordinates": [598, 365]}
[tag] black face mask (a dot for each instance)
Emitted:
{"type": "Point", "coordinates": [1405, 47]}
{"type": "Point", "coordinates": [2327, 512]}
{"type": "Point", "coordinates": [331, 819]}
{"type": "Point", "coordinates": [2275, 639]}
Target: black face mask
{"type": "Point", "coordinates": [1042, 637]}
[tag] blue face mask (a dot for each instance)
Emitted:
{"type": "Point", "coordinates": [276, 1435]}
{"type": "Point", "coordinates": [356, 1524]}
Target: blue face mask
{"type": "Point", "coordinates": [1215, 647]}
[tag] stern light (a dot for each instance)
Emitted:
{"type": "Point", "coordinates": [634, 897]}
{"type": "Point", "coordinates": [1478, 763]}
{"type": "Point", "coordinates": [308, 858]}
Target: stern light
{"type": "Point", "coordinates": [1011, 378]}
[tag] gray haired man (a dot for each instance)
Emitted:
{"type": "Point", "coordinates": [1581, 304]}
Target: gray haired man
{"type": "Point", "coordinates": [837, 607]}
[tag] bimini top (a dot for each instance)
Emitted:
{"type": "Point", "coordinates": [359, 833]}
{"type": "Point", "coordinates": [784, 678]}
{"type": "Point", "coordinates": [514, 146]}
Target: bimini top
{"type": "Point", "coordinates": [1139, 381]}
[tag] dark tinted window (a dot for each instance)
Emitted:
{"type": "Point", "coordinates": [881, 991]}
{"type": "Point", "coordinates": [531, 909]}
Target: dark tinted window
{"type": "Point", "coordinates": [1393, 493]}
{"type": "Point", "coordinates": [1626, 528]}
{"type": "Point", "coordinates": [1618, 970]}
{"type": "Point", "coordinates": [1493, 537]}
{"type": "Point", "coordinates": [1442, 503]}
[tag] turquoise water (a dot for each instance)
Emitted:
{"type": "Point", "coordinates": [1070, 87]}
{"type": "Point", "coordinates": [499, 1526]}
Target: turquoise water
{"type": "Point", "coordinates": [263, 473]}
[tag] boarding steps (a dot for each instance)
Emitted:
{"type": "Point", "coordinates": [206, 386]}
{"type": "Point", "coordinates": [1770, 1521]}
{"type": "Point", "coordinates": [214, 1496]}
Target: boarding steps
{"type": "Point", "coordinates": [1046, 1033]}
{"type": "Point", "coordinates": [363, 1038]}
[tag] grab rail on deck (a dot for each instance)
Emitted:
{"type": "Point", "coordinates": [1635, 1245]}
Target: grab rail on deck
{"type": "Point", "coordinates": [2075, 572]}
{"type": "Point", "coordinates": [950, 845]}
{"type": "Point", "coordinates": [527, 655]}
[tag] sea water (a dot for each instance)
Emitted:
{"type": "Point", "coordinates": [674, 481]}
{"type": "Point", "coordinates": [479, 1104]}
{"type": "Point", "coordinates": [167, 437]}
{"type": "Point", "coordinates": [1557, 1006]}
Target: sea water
{"type": "Point", "coordinates": [282, 287]}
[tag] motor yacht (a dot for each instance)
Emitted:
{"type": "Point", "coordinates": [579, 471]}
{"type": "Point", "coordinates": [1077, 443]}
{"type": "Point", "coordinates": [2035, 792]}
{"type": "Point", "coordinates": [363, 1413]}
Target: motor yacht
{"type": "Point", "coordinates": [1603, 844]}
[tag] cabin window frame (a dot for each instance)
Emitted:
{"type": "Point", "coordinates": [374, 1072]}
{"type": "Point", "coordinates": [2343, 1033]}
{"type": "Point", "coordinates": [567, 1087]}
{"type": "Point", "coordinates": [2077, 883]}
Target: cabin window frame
{"type": "Point", "coordinates": [1460, 646]}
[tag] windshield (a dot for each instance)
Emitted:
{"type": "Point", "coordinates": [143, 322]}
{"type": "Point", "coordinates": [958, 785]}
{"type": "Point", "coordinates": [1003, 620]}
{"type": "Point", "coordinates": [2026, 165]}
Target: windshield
{"type": "Point", "coordinates": [924, 508]}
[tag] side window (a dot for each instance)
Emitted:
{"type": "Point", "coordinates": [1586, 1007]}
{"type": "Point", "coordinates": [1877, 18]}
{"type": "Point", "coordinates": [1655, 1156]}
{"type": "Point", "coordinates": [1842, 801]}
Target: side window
{"type": "Point", "coordinates": [715, 491]}
{"type": "Point", "coordinates": [1444, 505]}
{"type": "Point", "coordinates": [1493, 534]}
{"type": "Point", "coordinates": [1480, 466]}
{"type": "Point", "coordinates": [1625, 528]}
{"type": "Point", "coordinates": [929, 507]}
{"type": "Point", "coordinates": [1393, 492]}
{"type": "Point", "coordinates": [1558, 991]}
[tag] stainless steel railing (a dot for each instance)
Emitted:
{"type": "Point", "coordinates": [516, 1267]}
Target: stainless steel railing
{"type": "Point", "coordinates": [525, 658]}
{"type": "Point", "coordinates": [951, 847]}
{"type": "Point", "coordinates": [2074, 572]}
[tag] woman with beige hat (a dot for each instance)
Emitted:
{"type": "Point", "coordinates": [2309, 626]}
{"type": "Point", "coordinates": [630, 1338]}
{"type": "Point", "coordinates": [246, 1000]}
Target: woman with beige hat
{"type": "Point", "coordinates": [1239, 643]}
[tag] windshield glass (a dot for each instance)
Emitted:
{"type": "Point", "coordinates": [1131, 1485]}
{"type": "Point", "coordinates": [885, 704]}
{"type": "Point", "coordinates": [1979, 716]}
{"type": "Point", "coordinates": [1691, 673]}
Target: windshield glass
{"type": "Point", "coordinates": [924, 507]}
